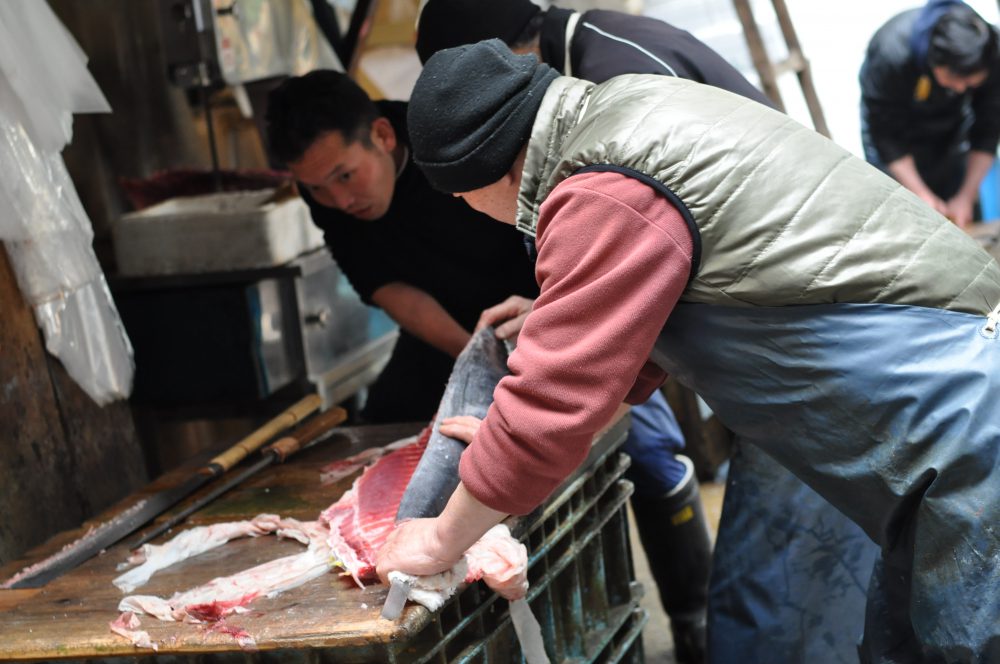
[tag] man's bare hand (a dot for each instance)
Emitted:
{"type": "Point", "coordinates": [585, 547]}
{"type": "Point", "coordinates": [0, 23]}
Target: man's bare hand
{"type": "Point", "coordinates": [939, 205]}
{"type": "Point", "coordinates": [414, 548]}
{"type": "Point", "coordinates": [460, 427]}
{"type": "Point", "coordinates": [508, 316]}
{"type": "Point", "coordinates": [960, 210]}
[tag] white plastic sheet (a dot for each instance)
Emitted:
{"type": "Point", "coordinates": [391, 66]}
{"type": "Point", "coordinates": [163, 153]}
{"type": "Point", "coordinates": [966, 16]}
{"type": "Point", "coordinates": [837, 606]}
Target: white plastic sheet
{"type": "Point", "coordinates": [43, 81]}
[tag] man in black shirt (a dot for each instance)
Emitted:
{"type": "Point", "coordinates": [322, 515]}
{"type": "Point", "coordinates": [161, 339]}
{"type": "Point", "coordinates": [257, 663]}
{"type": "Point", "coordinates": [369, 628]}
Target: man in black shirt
{"type": "Point", "coordinates": [394, 237]}
{"type": "Point", "coordinates": [930, 103]}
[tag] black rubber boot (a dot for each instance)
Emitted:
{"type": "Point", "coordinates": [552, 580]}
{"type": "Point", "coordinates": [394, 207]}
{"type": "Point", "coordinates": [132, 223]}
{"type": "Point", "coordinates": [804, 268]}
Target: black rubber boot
{"type": "Point", "coordinates": [674, 534]}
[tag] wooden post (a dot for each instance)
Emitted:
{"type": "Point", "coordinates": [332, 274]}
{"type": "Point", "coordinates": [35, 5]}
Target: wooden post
{"type": "Point", "coordinates": [63, 458]}
{"type": "Point", "coordinates": [802, 69]}
{"type": "Point", "coordinates": [796, 62]}
{"type": "Point", "coordinates": [758, 52]}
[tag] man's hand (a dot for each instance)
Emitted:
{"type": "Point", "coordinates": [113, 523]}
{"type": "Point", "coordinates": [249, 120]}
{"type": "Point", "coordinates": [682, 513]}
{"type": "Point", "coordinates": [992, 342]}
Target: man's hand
{"type": "Point", "coordinates": [508, 316]}
{"type": "Point", "coordinates": [961, 204]}
{"type": "Point", "coordinates": [429, 546]}
{"type": "Point", "coordinates": [960, 210]}
{"type": "Point", "coordinates": [904, 170]}
{"type": "Point", "coordinates": [939, 205]}
{"type": "Point", "coordinates": [414, 548]}
{"type": "Point", "coordinates": [460, 427]}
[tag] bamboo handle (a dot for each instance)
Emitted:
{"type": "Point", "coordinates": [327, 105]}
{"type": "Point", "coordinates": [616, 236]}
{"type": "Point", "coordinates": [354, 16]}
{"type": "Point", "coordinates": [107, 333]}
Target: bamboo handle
{"type": "Point", "coordinates": [256, 440]}
{"type": "Point", "coordinates": [309, 432]}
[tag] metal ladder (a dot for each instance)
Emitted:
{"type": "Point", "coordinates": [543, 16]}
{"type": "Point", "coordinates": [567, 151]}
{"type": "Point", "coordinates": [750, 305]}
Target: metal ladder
{"type": "Point", "coordinates": [796, 61]}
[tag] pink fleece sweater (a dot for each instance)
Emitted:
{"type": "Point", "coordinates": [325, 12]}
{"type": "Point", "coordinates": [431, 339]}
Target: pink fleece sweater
{"type": "Point", "coordinates": [614, 256]}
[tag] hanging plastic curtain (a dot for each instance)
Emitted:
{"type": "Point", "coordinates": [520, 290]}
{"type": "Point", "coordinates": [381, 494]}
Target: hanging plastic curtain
{"type": "Point", "coordinates": [43, 81]}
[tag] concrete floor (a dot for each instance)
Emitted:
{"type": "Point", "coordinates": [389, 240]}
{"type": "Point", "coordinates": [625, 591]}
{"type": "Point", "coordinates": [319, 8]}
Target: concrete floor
{"type": "Point", "coordinates": [656, 638]}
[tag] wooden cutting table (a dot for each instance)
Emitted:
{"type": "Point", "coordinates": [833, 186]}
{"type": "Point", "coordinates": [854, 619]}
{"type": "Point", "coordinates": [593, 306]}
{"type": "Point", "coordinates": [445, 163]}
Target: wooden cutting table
{"type": "Point", "coordinates": [68, 619]}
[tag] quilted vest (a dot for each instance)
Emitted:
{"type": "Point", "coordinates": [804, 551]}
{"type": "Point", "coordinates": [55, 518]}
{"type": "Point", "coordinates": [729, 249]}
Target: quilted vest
{"type": "Point", "coordinates": [780, 215]}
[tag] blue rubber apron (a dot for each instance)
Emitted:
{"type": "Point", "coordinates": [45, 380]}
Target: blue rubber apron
{"type": "Point", "coordinates": [790, 572]}
{"type": "Point", "coordinates": [891, 413]}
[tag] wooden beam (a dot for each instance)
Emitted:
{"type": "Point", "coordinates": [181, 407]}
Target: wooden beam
{"type": "Point", "coordinates": [804, 73]}
{"type": "Point", "coordinates": [62, 457]}
{"type": "Point", "coordinates": [758, 53]}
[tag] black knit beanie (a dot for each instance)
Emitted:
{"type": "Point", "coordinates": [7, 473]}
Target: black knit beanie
{"type": "Point", "coordinates": [449, 23]}
{"type": "Point", "coordinates": [471, 112]}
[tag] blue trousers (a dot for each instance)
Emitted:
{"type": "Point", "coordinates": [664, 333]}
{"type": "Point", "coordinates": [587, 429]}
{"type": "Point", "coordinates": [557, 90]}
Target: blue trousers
{"type": "Point", "coordinates": [653, 443]}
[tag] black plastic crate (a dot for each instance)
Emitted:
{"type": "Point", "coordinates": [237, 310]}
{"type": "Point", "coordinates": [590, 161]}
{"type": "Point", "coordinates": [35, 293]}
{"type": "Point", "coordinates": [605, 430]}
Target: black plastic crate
{"type": "Point", "coordinates": [583, 588]}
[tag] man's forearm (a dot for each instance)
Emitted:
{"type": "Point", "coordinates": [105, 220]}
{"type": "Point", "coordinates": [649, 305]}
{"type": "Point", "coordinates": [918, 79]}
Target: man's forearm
{"type": "Point", "coordinates": [904, 170]}
{"type": "Point", "coordinates": [462, 522]}
{"type": "Point", "coordinates": [422, 316]}
{"type": "Point", "coordinates": [975, 170]}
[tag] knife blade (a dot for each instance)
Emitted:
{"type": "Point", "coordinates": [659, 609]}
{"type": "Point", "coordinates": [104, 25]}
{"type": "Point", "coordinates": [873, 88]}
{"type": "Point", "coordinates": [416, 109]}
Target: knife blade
{"type": "Point", "coordinates": [104, 535]}
{"type": "Point", "coordinates": [399, 590]}
{"type": "Point", "coordinates": [312, 432]}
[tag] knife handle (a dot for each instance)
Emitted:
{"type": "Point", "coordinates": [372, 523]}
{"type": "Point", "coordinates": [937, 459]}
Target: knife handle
{"type": "Point", "coordinates": [256, 440]}
{"type": "Point", "coordinates": [308, 432]}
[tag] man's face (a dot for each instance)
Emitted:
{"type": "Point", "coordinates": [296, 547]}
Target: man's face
{"type": "Point", "coordinates": [498, 200]}
{"type": "Point", "coordinates": [958, 83]}
{"type": "Point", "coordinates": [351, 177]}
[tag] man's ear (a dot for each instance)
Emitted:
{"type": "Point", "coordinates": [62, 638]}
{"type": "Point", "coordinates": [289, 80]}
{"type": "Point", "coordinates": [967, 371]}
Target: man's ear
{"type": "Point", "coordinates": [383, 135]}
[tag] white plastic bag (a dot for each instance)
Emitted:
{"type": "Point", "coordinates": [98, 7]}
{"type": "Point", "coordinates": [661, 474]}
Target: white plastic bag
{"type": "Point", "coordinates": [43, 81]}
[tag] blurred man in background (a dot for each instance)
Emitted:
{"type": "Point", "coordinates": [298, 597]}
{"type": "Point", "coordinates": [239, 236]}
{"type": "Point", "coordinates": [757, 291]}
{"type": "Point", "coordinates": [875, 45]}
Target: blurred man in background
{"type": "Point", "coordinates": [930, 104]}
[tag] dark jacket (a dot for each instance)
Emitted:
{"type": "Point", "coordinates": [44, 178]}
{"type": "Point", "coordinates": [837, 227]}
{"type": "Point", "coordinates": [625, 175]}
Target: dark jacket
{"type": "Point", "coordinates": [605, 44]}
{"type": "Point", "coordinates": [904, 110]}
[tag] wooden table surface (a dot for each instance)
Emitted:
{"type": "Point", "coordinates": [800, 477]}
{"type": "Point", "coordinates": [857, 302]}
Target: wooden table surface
{"type": "Point", "coordinates": [69, 617]}
{"type": "Point", "coordinates": [988, 236]}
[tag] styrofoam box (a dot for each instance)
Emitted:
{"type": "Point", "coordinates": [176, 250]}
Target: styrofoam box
{"type": "Point", "coordinates": [214, 232]}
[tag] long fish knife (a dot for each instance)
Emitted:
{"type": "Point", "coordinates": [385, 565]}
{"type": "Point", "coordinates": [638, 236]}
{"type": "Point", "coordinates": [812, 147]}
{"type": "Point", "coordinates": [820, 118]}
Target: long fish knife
{"type": "Point", "coordinates": [314, 431]}
{"type": "Point", "coordinates": [104, 535]}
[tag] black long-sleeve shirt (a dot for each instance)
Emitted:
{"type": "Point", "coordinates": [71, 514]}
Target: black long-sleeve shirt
{"type": "Point", "coordinates": [605, 44]}
{"type": "Point", "coordinates": [433, 241]}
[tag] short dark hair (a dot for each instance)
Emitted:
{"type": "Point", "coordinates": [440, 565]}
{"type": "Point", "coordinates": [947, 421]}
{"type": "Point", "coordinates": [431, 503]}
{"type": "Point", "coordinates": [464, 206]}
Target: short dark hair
{"type": "Point", "coordinates": [963, 42]}
{"type": "Point", "coordinates": [303, 108]}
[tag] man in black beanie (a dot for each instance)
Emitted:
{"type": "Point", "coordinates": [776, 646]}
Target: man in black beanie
{"type": "Point", "coordinates": [683, 229]}
{"type": "Point", "coordinates": [751, 586]}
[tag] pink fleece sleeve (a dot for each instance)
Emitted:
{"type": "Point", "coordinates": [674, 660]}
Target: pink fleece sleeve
{"type": "Point", "coordinates": [614, 256]}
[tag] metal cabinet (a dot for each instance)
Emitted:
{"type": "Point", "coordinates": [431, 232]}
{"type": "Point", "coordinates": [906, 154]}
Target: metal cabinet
{"type": "Point", "coordinates": [244, 335]}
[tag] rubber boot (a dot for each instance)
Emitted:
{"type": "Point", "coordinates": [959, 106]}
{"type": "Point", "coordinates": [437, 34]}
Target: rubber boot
{"type": "Point", "coordinates": [674, 534]}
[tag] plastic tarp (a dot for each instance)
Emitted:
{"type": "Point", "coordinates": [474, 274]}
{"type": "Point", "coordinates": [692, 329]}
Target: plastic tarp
{"type": "Point", "coordinates": [43, 81]}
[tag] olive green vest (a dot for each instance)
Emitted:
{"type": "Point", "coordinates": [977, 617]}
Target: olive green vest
{"type": "Point", "coordinates": [780, 215]}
